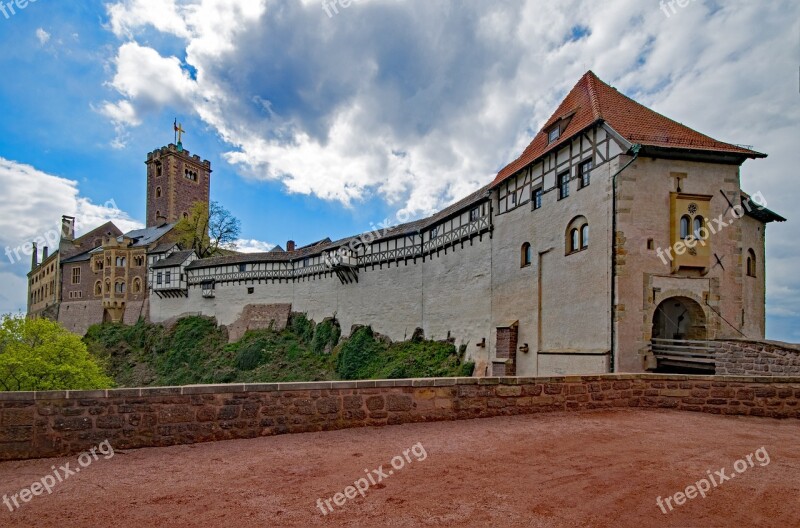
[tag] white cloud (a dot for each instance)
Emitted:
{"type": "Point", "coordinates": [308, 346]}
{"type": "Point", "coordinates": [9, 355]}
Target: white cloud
{"type": "Point", "coordinates": [129, 16]}
{"type": "Point", "coordinates": [421, 102]}
{"type": "Point", "coordinates": [31, 207]}
{"type": "Point", "coordinates": [43, 36]}
{"type": "Point", "coordinates": [253, 246]}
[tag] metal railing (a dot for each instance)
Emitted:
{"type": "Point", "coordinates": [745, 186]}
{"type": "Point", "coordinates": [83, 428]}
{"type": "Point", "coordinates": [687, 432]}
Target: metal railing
{"type": "Point", "coordinates": [684, 353]}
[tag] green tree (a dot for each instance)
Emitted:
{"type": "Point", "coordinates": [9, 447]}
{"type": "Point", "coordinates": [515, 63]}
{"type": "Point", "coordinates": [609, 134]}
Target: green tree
{"type": "Point", "coordinates": [39, 354]}
{"type": "Point", "coordinates": [208, 230]}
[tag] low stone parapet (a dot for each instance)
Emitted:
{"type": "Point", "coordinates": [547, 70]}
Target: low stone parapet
{"type": "Point", "coordinates": [757, 358]}
{"type": "Point", "coordinates": [59, 423]}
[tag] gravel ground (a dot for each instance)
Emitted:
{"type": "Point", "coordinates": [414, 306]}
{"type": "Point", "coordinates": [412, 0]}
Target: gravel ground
{"type": "Point", "coordinates": [602, 469]}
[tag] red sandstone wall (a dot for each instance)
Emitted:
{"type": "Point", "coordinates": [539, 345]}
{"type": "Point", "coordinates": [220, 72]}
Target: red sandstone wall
{"type": "Point", "coordinates": [259, 317]}
{"type": "Point", "coordinates": [757, 358]}
{"type": "Point", "coordinates": [57, 423]}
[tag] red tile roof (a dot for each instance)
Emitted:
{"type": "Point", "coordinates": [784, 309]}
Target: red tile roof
{"type": "Point", "coordinates": [592, 101]}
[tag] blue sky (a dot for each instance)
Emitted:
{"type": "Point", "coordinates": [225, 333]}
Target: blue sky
{"type": "Point", "coordinates": [321, 126]}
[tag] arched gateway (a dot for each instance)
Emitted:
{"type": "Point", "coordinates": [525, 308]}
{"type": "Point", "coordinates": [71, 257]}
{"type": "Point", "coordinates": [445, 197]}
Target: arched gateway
{"type": "Point", "coordinates": [680, 337]}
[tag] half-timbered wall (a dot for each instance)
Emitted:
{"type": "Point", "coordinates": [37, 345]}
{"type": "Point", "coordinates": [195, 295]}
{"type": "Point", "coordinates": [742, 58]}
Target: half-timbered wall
{"type": "Point", "coordinates": [557, 298]}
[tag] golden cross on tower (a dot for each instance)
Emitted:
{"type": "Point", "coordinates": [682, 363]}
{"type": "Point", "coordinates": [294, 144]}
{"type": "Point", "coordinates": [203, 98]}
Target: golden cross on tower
{"type": "Point", "coordinates": [178, 131]}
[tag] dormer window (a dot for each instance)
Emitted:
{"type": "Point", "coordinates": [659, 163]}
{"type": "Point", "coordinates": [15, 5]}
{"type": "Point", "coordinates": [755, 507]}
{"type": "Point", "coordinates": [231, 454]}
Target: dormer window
{"type": "Point", "coordinates": [554, 134]}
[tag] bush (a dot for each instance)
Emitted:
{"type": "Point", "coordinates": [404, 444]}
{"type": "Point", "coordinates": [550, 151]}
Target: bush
{"type": "Point", "coordinates": [251, 352]}
{"type": "Point", "coordinates": [302, 327]}
{"type": "Point", "coordinates": [357, 355]}
{"type": "Point", "coordinates": [326, 336]}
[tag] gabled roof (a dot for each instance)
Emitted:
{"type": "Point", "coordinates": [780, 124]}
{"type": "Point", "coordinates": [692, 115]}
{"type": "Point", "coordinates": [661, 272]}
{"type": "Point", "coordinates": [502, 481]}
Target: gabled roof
{"type": "Point", "coordinates": [71, 248]}
{"type": "Point", "coordinates": [592, 101]}
{"type": "Point", "coordinates": [174, 260]}
{"type": "Point", "coordinates": [162, 248]}
{"type": "Point", "coordinates": [83, 257]}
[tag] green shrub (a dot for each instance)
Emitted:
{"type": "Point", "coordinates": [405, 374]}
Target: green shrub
{"type": "Point", "coordinates": [301, 327]}
{"type": "Point", "coordinates": [358, 354]}
{"type": "Point", "coordinates": [326, 336]}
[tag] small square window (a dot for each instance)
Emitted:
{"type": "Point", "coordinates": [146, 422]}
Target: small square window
{"type": "Point", "coordinates": [474, 214]}
{"type": "Point", "coordinates": [242, 267]}
{"type": "Point", "coordinates": [251, 291]}
{"type": "Point", "coordinates": [554, 134]}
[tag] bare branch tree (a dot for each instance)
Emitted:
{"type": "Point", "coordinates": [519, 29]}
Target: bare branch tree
{"type": "Point", "coordinates": [207, 230]}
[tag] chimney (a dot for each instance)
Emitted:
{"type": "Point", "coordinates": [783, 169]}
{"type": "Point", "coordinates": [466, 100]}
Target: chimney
{"type": "Point", "coordinates": [68, 228]}
{"type": "Point", "coordinates": [290, 245]}
{"type": "Point", "coordinates": [34, 257]}
{"type": "Point", "coordinates": [45, 253]}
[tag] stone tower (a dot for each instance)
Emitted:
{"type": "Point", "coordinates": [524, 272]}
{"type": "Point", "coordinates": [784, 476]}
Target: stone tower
{"type": "Point", "coordinates": [175, 181]}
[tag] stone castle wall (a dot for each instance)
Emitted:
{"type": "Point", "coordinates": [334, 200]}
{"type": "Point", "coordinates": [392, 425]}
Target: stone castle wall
{"type": "Point", "coordinates": [260, 317]}
{"type": "Point", "coordinates": [757, 358]}
{"type": "Point", "coordinates": [59, 423]}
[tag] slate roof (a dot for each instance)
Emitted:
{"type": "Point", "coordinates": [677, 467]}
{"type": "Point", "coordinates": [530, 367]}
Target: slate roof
{"type": "Point", "coordinates": [327, 245]}
{"type": "Point", "coordinates": [148, 235]}
{"type": "Point", "coordinates": [83, 257]}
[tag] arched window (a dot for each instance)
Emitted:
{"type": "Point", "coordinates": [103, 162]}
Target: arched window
{"type": "Point", "coordinates": [751, 263]}
{"type": "Point", "coordinates": [577, 238]}
{"type": "Point", "coordinates": [137, 285]}
{"type": "Point", "coordinates": [699, 228]}
{"type": "Point", "coordinates": [686, 222]}
{"type": "Point", "coordinates": [98, 288]}
{"type": "Point", "coordinates": [526, 256]}
{"type": "Point", "coordinates": [108, 286]}
{"type": "Point", "coordinates": [158, 192]}
{"type": "Point", "coordinates": [119, 287]}
{"type": "Point", "coordinates": [186, 216]}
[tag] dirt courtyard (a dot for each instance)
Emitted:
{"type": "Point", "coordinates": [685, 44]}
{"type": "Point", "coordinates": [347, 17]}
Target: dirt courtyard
{"type": "Point", "coordinates": [589, 469]}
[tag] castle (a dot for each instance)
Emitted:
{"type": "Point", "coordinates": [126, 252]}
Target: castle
{"type": "Point", "coordinates": [615, 241]}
